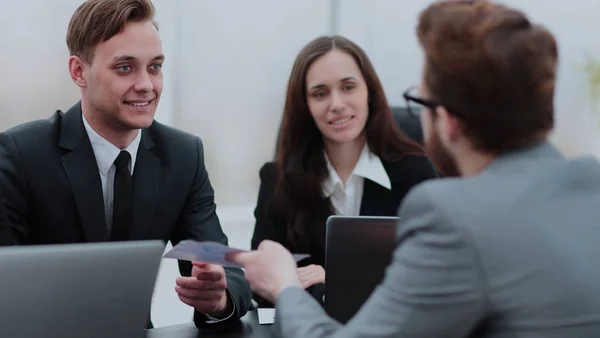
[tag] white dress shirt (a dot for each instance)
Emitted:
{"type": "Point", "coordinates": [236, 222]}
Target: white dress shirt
{"type": "Point", "coordinates": [346, 198]}
{"type": "Point", "coordinates": [106, 153]}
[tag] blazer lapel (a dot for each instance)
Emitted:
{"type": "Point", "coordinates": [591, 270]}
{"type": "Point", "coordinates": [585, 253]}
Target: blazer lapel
{"type": "Point", "coordinates": [81, 169]}
{"type": "Point", "coordinates": [378, 200]}
{"type": "Point", "coordinates": [147, 179]}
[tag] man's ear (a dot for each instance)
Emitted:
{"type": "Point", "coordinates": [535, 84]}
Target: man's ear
{"type": "Point", "coordinates": [448, 126]}
{"type": "Point", "coordinates": [76, 70]}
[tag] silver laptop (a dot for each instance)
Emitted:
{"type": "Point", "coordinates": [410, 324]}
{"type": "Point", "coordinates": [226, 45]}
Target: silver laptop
{"type": "Point", "coordinates": [78, 290]}
{"type": "Point", "coordinates": [357, 253]}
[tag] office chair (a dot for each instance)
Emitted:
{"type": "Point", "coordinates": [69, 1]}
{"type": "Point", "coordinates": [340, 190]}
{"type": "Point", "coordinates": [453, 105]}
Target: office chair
{"type": "Point", "coordinates": [411, 126]}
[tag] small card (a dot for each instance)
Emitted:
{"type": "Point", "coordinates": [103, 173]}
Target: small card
{"type": "Point", "coordinates": [266, 316]}
{"type": "Point", "coordinates": [208, 252]}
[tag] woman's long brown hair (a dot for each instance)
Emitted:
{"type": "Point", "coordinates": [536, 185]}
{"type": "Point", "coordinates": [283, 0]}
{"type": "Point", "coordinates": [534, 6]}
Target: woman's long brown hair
{"type": "Point", "coordinates": [301, 165]}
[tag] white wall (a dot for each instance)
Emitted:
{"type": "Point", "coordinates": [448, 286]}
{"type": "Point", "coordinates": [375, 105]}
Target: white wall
{"type": "Point", "coordinates": [234, 66]}
{"type": "Point", "coordinates": [226, 72]}
{"type": "Point", "coordinates": [34, 80]}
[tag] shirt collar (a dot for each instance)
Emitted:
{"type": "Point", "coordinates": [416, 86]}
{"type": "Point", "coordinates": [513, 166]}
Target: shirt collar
{"type": "Point", "coordinates": [369, 166]}
{"type": "Point", "coordinates": [106, 153]}
{"type": "Point", "coordinates": [332, 180]}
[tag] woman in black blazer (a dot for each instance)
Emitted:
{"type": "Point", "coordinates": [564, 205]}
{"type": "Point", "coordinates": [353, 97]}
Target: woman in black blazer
{"type": "Point", "coordinates": [340, 152]}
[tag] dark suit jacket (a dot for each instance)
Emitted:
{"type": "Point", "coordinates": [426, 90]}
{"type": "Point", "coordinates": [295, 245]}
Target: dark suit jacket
{"type": "Point", "coordinates": [52, 187]}
{"type": "Point", "coordinates": [376, 201]}
{"type": "Point", "coordinates": [6, 237]}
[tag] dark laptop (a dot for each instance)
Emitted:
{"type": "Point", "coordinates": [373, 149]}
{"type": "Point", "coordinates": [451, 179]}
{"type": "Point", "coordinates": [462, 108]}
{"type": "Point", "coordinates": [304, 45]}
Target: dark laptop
{"type": "Point", "coordinates": [92, 290]}
{"type": "Point", "coordinates": [357, 253]}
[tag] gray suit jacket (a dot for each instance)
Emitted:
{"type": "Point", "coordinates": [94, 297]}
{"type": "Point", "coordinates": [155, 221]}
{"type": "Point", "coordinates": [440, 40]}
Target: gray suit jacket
{"type": "Point", "coordinates": [511, 252]}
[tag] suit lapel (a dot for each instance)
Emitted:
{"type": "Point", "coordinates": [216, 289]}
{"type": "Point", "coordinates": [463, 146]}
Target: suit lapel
{"type": "Point", "coordinates": [147, 180]}
{"type": "Point", "coordinates": [81, 170]}
{"type": "Point", "coordinates": [378, 200]}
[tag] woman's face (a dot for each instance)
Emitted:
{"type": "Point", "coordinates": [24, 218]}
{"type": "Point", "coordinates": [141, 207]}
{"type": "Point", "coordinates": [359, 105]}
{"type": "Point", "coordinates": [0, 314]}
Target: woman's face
{"type": "Point", "coordinates": [337, 97]}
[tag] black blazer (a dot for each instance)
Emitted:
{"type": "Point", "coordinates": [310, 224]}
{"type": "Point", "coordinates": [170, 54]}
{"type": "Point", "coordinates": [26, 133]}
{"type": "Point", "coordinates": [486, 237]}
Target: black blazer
{"type": "Point", "coordinates": [53, 193]}
{"type": "Point", "coordinates": [376, 201]}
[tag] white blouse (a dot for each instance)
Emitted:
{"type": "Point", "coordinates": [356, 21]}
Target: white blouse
{"type": "Point", "coordinates": [346, 199]}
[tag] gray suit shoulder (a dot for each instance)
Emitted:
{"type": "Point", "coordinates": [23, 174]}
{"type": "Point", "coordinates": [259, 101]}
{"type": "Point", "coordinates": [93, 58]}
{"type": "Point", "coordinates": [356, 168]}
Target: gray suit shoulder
{"type": "Point", "coordinates": [438, 191]}
{"type": "Point", "coordinates": [589, 165]}
{"type": "Point", "coordinates": [432, 200]}
{"type": "Point", "coordinates": [464, 203]}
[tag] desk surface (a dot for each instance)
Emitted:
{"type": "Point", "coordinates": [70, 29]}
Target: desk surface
{"type": "Point", "coordinates": [248, 328]}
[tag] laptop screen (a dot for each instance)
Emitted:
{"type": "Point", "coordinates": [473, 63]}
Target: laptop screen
{"type": "Point", "coordinates": [357, 253]}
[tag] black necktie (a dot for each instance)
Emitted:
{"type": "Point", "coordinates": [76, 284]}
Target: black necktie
{"type": "Point", "coordinates": [122, 199]}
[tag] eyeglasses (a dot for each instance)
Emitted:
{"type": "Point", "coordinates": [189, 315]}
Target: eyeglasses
{"type": "Point", "coordinates": [414, 103]}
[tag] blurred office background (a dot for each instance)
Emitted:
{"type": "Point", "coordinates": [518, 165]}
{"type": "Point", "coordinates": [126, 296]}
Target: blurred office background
{"type": "Point", "coordinates": [226, 71]}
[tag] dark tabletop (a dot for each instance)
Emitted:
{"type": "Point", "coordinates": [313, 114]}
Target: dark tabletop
{"type": "Point", "coordinates": [247, 328]}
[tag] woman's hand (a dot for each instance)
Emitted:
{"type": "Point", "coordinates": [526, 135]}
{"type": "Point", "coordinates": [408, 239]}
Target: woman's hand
{"type": "Point", "coordinates": [311, 275]}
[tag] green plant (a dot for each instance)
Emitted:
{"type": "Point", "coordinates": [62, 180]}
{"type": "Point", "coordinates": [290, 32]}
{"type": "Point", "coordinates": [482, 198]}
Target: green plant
{"type": "Point", "coordinates": [592, 71]}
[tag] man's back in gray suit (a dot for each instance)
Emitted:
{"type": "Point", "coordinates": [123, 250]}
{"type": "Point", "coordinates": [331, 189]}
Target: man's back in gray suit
{"type": "Point", "coordinates": [511, 252]}
{"type": "Point", "coordinates": [532, 220]}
